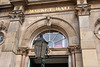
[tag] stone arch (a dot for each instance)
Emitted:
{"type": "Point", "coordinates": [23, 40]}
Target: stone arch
{"type": "Point", "coordinates": [56, 23]}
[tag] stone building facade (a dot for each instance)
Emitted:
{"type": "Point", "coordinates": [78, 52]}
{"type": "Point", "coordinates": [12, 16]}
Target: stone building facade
{"type": "Point", "coordinates": [22, 21]}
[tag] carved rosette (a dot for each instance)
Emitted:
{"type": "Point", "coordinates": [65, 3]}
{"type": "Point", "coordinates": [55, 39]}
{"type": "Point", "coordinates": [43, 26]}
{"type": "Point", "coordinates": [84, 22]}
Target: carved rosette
{"type": "Point", "coordinates": [17, 15]}
{"type": "Point", "coordinates": [83, 9]}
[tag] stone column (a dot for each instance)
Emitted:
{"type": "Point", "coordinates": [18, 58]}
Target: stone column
{"type": "Point", "coordinates": [69, 61]}
{"type": "Point", "coordinates": [89, 55]}
{"type": "Point", "coordinates": [23, 51]}
{"type": "Point", "coordinates": [72, 58]}
{"type": "Point", "coordinates": [78, 58]}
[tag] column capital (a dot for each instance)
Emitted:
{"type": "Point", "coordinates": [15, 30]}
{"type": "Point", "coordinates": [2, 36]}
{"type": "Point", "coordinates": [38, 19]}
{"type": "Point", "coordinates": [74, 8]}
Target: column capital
{"type": "Point", "coordinates": [74, 49]}
{"type": "Point", "coordinates": [83, 9]}
{"type": "Point", "coordinates": [23, 50]}
{"type": "Point", "coordinates": [17, 15]}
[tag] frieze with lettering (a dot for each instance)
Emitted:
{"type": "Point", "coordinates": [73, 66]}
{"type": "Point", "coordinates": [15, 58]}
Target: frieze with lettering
{"type": "Point", "coordinates": [45, 10]}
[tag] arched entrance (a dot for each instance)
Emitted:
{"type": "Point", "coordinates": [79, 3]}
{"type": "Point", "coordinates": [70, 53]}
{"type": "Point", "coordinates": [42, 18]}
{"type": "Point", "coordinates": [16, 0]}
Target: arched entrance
{"type": "Point", "coordinates": [58, 25]}
{"type": "Point", "coordinates": [56, 40]}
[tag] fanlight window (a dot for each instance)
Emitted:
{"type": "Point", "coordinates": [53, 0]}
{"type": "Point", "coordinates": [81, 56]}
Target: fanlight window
{"type": "Point", "coordinates": [55, 39]}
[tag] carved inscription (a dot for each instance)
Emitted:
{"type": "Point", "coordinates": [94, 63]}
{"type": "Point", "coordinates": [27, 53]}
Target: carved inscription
{"type": "Point", "coordinates": [53, 9]}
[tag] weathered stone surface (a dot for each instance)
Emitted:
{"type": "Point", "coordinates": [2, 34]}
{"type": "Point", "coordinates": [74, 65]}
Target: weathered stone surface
{"type": "Point", "coordinates": [84, 21]}
{"type": "Point", "coordinates": [87, 35]}
{"type": "Point", "coordinates": [7, 59]}
{"type": "Point", "coordinates": [88, 44]}
{"type": "Point", "coordinates": [11, 42]}
{"type": "Point", "coordinates": [78, 60]}
{"type": "Point", "coordinates": [18, 60]}
{"type": "Point", "coordinates": [89, 58]}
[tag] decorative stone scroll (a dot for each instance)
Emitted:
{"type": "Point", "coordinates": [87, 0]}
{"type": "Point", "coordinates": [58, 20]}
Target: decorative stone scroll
{"type": "Point", "coordinates": [17, 15]}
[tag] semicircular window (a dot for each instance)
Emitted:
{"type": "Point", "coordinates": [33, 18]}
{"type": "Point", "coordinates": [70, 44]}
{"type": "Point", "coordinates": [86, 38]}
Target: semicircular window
{"type": "Point", "coordinates": [1, 37]}
{"type": "Point", "coordinates": [55, 39]}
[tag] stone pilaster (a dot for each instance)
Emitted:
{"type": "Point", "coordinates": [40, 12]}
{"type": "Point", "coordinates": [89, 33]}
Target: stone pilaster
{"type": "Point", "coordinates": [89, 55]}
{"type": "Point", "coordinates": [9, 49]}
{"type": "Point", "coordinates": [23, 51]}
{"type": "Point", "coordinates": [12, 39]}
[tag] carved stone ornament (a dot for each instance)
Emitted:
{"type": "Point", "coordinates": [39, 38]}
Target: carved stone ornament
{"type": "Point", "coordinates": [83, 9]}
{"type": "Point", "coordinates": [97, 29]}
{"type": "Point", "coordinates": [74, 49]}
{"type": "Point", "coordinates": [48, 21]}
{"type": "Point", "coordinates": [17, 15]}
{"type": "Point", "coordinates": [2, 26]}
{"type": "Point", "coordinates": [23, 50]}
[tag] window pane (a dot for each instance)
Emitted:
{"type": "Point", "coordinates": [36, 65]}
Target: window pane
{"type": "Point", "coordinates": [55, 39]}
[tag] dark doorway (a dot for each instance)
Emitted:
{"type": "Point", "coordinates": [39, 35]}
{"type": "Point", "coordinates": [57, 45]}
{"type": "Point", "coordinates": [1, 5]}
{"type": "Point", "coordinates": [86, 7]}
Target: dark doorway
{"type": "Point", "coordinates": [49, 62]}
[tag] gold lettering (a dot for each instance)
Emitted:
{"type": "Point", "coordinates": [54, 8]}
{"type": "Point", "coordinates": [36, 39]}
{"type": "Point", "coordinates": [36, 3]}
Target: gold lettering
{"type": "Point", "coordinates": [65, 8]}
{"type": "Point", "coordinates": [42, 10]}
{"type": "Point", "coordinates": [62, 8]}
{"type": "Point", "coordinates": [50, 9]}
{"type": "Point", "coordinates": [58, 8]}
{"type": "Point", "coordinates": [68, 7]}
{"type": "Point", "coordinates": [31, 11]}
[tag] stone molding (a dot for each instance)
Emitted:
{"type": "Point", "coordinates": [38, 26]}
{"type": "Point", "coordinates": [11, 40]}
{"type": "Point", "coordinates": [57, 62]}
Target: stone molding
{"type": "Point", "coordinates": [83, 9]}
{"type": "Point", "coordinates": [17, 15]}
{"type": "Point", "coordinates": [30, 52]}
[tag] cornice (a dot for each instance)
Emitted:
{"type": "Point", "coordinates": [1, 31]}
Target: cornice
{"type": "Point", "coordinates": [5, 6]}
{"type": "Point", "coordinates": [50, 2]}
